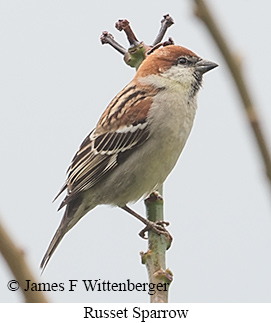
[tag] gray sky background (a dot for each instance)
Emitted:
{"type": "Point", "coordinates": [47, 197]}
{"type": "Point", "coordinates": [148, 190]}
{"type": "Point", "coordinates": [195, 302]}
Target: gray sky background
{"type": "Point", "coordinates": [56, 79]}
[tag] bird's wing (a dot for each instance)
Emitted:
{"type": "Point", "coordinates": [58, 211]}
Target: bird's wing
{"type": "Point", "coordinates": [122, 128]}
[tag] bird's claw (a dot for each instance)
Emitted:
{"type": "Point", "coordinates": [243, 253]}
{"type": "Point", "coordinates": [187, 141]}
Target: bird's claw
{"type": "Point", "coordinates": [157, 227]}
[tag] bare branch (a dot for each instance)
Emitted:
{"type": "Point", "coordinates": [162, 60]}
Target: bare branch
{"type": "Point", "coordinates": [138, 50]}
{"type": "Point", "coordinates": [15, 259]}
{"type": "Point", "coordinates": [123, 24]}
{"type": "Point", "coordinates": [165, 24]}
{"type": "Point", "coordinates": [107, 38]}
{"type": "Point", "coordinates": [202, 11]}
{"type": "Point", "coordinates": [168, 42]}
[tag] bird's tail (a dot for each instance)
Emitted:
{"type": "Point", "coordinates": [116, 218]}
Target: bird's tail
{"type": "Point", "coordinates": [73, 213]}
{"type": "Point", "coordinates": [60, 232]}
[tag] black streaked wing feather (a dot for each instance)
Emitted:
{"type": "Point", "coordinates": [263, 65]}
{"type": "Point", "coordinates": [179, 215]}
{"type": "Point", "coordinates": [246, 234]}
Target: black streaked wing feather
{"type": "Point", "coordinates": [98, 155]}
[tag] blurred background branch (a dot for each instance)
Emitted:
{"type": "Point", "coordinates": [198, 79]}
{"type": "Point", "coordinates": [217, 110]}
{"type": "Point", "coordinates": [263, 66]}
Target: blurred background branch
{"type": "Point", "coordinates": [203, 12]}
{"type": "Point", "coordinates": [15, 259]}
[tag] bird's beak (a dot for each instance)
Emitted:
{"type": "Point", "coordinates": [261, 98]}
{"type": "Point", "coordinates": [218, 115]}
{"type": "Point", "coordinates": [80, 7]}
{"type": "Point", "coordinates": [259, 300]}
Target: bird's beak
{"type": "Point", "coordinates": [204, 66]}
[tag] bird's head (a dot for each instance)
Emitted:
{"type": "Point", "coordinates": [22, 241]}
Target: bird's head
{"type": "Point", "coordinates": [177, 64]}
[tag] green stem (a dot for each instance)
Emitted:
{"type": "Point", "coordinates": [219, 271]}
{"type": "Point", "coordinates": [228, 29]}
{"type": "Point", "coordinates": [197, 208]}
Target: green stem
{"type": "Point", "coordinates": [155, 257]}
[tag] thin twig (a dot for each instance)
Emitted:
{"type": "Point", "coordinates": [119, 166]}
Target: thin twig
{"type": "Point", "coordinates": [166, 22]}
{"type": "Point", "coordinates": [123, 24]}
{"type": "Point", "coordinates": [202, 11]}
{"type": "Point", "coordinates": [168, 42]}
{"type": "Point", "coordinates": [15, 259]}
{"type": "Point", "coordinates": [107, 38]}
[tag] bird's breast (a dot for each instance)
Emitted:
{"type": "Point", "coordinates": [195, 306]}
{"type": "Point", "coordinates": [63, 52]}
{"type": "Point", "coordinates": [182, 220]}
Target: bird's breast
{"type": "Point", "coordinates": [172, 118]}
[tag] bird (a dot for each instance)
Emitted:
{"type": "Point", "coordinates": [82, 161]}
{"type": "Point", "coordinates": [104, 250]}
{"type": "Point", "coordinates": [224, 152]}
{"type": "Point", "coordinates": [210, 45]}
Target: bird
{"type": "Point", "coordinates": [137, 140]}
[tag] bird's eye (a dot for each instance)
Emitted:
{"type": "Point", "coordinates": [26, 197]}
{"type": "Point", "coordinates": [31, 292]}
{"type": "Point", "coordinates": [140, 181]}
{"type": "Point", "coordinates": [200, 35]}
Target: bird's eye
{"type": "Point", "coordinates": [182, 60]}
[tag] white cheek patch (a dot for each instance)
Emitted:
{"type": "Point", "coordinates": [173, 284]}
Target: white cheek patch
{"type": "Point", "coordinates": [183, 75]}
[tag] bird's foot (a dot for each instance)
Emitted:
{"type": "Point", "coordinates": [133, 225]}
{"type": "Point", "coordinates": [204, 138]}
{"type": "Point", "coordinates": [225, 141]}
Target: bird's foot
{"type": "Point", "coordinates": [157, 227]}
